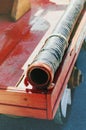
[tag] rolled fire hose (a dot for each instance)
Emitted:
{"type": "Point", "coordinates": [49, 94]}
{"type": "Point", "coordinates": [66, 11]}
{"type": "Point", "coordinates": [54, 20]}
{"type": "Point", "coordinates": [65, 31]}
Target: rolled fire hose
{"type": "Point", "coordinates": [42, 70]}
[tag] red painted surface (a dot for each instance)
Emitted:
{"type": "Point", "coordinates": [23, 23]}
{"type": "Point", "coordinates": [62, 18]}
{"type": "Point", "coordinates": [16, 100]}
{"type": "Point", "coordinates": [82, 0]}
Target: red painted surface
{"type": "Point", "coordinates": [17, 42]}
{"type": "Point", "coordinates": [19, 39]}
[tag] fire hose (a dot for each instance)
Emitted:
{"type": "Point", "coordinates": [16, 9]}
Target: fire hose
{"type": "Point", "coordinates": [42, 70]}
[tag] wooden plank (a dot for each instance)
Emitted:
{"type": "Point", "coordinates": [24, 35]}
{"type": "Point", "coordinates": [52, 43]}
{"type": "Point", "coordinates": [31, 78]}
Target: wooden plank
{"type": "Point", "coordinates": [49, 107]}
{"type": "Point", "coordinates": [32, 100]}
{"type": "Point", "coordinates": [20, 7]}
{"type": "Point", "coordinates": [62, 76]}
{"type": "Point", "coordinates": [61, 91]}
{"type": "Point", "coordinates": [70, 60]}
{"type": "Point", "coordinates": [22, 111]}
{"type": "Point", "coordinates": [15, 8]}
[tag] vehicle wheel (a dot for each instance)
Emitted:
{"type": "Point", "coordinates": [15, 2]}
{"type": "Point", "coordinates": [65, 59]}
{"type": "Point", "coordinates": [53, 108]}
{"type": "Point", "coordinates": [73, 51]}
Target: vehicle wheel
{"type": "Point", "coordinates": [65, 105]}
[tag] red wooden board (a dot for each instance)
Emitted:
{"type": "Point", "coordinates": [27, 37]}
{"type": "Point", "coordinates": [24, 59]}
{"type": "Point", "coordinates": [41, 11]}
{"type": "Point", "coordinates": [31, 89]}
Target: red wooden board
{"type": "Point", "coordinates": [17, 43]}
{"type": "Point", "coordinates": [19, 39]}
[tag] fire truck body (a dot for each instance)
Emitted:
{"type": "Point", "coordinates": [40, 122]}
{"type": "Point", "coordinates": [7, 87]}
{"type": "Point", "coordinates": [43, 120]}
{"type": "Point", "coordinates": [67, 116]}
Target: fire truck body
{"type": "Point", "coordinates": [20, 42]}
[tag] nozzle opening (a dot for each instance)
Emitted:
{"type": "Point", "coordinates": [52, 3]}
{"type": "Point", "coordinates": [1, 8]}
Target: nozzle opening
{"type": "Point", "coordinates": [38, 76]}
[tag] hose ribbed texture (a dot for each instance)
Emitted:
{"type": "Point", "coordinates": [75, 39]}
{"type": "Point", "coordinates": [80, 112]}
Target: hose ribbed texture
{"type": "Point", "coordinates": [52, 52]}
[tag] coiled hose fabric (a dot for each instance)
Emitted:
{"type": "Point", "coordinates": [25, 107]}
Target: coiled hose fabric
{"type": "Point", "coordinates": [41, 72]}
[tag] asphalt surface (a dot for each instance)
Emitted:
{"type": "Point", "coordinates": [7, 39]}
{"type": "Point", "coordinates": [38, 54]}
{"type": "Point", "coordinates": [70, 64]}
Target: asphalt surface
{"type": "Point", "coordinates": [76, 119]}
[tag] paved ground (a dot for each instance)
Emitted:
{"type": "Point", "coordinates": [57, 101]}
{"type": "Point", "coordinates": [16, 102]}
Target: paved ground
{"type": "Point", "coordinates": [77, 117]}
